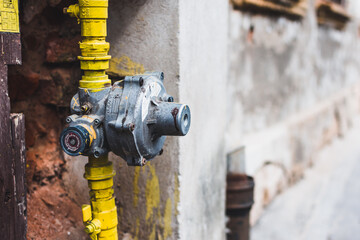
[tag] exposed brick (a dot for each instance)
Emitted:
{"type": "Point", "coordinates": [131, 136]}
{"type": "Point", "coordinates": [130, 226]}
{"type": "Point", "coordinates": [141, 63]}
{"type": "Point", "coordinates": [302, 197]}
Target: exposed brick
{"type": "Point", "coordinates": [62, 50]}
{"type": "Point", "coordinates": [32, 8]}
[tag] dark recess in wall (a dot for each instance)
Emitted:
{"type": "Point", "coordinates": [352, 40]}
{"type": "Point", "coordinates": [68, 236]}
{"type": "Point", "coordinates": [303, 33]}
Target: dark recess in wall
{"type": "Point", "coordinates": [41, 89]}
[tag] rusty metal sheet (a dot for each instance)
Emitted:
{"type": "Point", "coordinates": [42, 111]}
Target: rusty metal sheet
{"type": "Point", "coordinates": [239, 199]}
{"type": "Point", "coordinates": [331, 14]}
{"type": "Point", "coordinates": [290, 8]}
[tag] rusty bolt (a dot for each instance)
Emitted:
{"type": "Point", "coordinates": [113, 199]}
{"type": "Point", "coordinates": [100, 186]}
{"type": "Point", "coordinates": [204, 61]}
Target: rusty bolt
{"type": "Point", "coordinates": [86, 107]}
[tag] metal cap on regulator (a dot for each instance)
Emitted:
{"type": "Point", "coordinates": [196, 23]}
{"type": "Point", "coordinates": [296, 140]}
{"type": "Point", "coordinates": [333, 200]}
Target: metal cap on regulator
{"type": "Point", "coordinates": [172, 119]}
{"type": "Point", "coordinates": [183, 120]}
{"type": "Point", "coordinates": [75, 140]}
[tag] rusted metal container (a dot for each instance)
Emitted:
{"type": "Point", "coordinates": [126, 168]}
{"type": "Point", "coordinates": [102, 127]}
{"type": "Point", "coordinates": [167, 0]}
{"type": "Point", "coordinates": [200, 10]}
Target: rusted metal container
{"type": "Point", "coordinates": [239, 199]}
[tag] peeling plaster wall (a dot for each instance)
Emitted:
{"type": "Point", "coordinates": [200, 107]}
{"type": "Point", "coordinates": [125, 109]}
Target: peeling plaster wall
{"type": "Point", "coordinates": [293, 87]}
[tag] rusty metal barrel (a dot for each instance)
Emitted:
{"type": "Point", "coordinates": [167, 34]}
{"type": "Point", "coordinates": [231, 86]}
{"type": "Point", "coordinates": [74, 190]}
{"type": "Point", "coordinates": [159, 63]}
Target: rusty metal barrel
{"type": "Point", "coordinates": [239, 200]}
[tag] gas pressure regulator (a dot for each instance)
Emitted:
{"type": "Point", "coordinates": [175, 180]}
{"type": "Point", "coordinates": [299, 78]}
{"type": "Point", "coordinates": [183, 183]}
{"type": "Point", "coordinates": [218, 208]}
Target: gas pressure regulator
{"type": "Point", "coordinates": [132, 119]}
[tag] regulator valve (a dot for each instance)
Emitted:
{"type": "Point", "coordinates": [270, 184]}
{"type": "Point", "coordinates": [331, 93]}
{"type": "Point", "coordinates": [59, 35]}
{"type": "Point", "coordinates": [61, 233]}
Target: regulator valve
{"type": "Point", "coordinates": [132, 119]}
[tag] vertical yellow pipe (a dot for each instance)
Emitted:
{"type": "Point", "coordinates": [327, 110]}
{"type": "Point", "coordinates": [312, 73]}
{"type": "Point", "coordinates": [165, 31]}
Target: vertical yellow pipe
{"type": "Point", "coordinates": [100, 218]}
{"type": "Point", "coordinates": [94, 60]}
{"type": "Point", "coordinates": [103, 223]}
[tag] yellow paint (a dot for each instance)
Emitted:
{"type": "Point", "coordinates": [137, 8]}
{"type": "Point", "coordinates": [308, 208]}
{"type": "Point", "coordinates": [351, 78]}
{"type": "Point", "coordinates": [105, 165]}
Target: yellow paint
{"type": "Point", "coordinates": [88, 117]}
{"type": "Point", "coordinates": [124, 66]}
{"type": "Point", "coordinates": [91, 131]}
{"type": "Point", "coordinates": [136, 186]}
{"type": "Point", "coordinates": [76, 104]}
{"type": "Point", "coordinates": [176, 194]}
{"type": "Point", "coordinates": [86, 212]}
{"type": "Point", "coordinates": [152, 193]}
{"type": "Point", "coordinates": [99, 172]}
{"type": "Point", "coordinates": [94, 60]}
{"type": "Point", "coordinates": [152, 234]}
{"type": "Point", "coordinates": [137, 229]}
{"type": "Point", "coordinates": [159, 237]}
{"type": "Point", "coordinates": [168, 219]}
{"type": "Point", "coordinates": [9, 16]}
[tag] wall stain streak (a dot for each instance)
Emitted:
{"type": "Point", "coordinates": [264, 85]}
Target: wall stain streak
{"type": "Point", "coordinates": [152, 193]}
{"type": "Point", "coordinates": [167, 219]}
{"type": "Point", "coordinates": [124, 66]}
{"type": "Point", "coordinates": [137, 229]}
{"type": "Point", "coordinates": [176, 194]}
{"type": "Point", "coordinates": [152, 235]}
{"type": "Point", "coordinates": [136, 186]}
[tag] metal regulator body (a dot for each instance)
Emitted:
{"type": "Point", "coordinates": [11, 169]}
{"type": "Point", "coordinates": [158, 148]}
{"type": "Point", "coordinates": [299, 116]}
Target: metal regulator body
{"type": "Point", "coordinates": [132, 119]}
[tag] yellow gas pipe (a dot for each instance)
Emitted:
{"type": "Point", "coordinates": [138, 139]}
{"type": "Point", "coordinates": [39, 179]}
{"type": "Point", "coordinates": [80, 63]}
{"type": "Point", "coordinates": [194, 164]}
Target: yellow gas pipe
{"type": "Point", "coordinates": [100, 218]}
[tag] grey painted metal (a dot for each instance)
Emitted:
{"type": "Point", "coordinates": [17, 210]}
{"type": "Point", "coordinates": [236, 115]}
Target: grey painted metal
{"type": "Point", "coordinates": [131, 119]}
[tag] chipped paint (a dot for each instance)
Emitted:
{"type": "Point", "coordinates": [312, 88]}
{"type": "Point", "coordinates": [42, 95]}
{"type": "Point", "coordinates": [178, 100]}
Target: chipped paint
{"type": "Point", "coordinates": [136, 186]}
{"type": "Point", "coordinates": [168, 219]}
{"type": "Point", "coordinates": [124, 66]}
{"type": "Point", "coordinates": [137, 229]}
{"type": "Point", "coordinates": [152, 193]}
{"type": "Point", "coordinates": [76, 104]}
{"type": "Point", "coordinates": [152, 234]}
{"type": "Point", "coordinates": [176, 194]}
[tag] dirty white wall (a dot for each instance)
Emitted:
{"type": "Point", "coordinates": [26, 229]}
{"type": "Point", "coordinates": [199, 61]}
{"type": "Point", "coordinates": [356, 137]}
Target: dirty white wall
{"type": "Point", "coordinates": [293, 88]}
{"type": "Point", "coordinates": [203, 79]}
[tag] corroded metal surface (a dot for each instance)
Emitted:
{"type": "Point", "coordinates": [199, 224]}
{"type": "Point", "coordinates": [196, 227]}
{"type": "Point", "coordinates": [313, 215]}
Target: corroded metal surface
{"type": "Point", "coordinates": [239, 199]}
{"type": "Point", "coordinates": [287, 8]}
{"type": "Point", "coordinates": [331, 14]}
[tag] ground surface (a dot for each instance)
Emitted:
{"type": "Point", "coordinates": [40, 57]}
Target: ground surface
{"type": "Point", "coordinates": [325, 204]}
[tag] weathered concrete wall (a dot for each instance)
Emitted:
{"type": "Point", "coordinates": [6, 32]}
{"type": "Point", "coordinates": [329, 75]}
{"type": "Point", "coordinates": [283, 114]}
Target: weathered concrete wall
{"type": "Point", "coordinates": [147, 35]}
{"type": "Point", "coordinates": [203, 79]}
{"type": "Point", "coordinates": [293, 87]}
